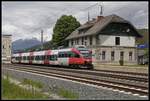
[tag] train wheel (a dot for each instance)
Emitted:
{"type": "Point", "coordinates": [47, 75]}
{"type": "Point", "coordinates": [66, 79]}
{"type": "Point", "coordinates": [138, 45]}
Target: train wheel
{"type": "Point", "coordinates": [74, 66]}
{"type": "Point", "coordinates": [90, 66]}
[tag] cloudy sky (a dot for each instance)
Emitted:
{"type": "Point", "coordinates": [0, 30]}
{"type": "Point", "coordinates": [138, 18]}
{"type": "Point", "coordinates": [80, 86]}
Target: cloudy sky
{"type": "Point", "coordinates": [26, 19]}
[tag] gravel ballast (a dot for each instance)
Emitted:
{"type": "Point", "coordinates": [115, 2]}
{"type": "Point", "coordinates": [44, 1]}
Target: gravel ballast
{"type": "Point", "coordinates": [84, 91]}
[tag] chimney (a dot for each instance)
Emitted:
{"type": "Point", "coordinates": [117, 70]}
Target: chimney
{"type": "Point", "coordinates": [99, 18]}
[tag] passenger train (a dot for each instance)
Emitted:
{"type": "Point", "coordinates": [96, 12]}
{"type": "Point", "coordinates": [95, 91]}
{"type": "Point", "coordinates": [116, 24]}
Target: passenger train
{"type": "Point", "coordinates": [76, 57]}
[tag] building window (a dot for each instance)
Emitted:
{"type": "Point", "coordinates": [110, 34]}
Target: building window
{"type": "Point", "coordinates": [72, 42]}
{"type": "Point", "coordinates": [77, 41]}
{"type": "Point", "coordinates": [103, 55]}
{"type": "Point", "coordinates": [121, 55]}
{"type": "Point", "coordinates": [130, 55]}
{"type": "Point", "coordinates": [91, 40]}
{"type": "Point", "coordinates": [82, 40]}
{"type": "Point", "coordinates": [117, 40]}
{"type": "Point", "coordinates": [112, 55]}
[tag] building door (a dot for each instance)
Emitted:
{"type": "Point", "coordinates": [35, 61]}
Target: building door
{"type": "Point", "coordinates": [121, 55]}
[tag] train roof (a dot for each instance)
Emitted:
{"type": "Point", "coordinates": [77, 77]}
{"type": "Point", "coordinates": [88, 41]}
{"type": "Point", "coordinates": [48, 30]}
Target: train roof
{"type": "Point", "coordinates": [43, 51]}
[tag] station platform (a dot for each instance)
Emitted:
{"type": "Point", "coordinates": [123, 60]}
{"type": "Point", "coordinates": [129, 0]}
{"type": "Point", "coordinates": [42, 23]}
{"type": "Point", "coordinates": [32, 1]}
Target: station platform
{"type": "Point", "coordinates": [126, 68]}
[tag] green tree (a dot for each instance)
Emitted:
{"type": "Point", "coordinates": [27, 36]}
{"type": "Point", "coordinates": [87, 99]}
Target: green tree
{"type": "Point", "coordinates": [64, 26]}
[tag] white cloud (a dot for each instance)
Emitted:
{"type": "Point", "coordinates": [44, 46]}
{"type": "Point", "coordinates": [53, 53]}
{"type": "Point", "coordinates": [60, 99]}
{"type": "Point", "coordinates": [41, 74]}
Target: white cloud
{"type": "Point", "coordinates": [26, 19]}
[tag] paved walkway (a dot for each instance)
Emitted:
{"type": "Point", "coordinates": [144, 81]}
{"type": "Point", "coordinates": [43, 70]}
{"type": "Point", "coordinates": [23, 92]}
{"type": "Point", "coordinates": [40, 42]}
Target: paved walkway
{"type": "Point", "coordinates": [132, 68]}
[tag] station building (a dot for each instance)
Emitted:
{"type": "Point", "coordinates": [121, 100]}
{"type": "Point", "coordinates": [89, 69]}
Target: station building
{"type": "Point", "coordinates": [6, 48]}
{"type": "Point", "coordinates": [111, 38]}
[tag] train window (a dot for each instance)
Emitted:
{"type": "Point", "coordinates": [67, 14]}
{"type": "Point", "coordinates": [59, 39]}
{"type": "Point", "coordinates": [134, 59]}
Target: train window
{"type": "Point", "coordinates": [55, 57]}
{"type": "Point", "coordinates": [60, 54]}
{"type": "Point", "coordinates": [28, 57]}
{"type": "Point", "coordinates": [69, 54]}
{"type": "Point", "coordinates": [52, 57]}
{"type": "Point", "coordinates": [24, 58]}
{"type": "Point", "coordinates": [40, 57]}
{"type": "Point", "coordinates": [43, 57]}
{"type": "Point", "coordinates": [36, 57]}
{"type": "Point", "coordinates": [76, 55]}
{"type": "Point", "coordinates": [65, 54]}
{"type": "Point", "coordinates": [72, 54]}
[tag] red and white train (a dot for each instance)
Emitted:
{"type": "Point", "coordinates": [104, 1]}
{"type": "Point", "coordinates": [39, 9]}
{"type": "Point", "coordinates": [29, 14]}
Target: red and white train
{"type": "Point", "coordinates": [79, 57]}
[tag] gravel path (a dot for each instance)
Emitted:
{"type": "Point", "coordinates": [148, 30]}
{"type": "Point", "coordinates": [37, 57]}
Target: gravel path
{"type": "Point", "coordinates": [84, 91]}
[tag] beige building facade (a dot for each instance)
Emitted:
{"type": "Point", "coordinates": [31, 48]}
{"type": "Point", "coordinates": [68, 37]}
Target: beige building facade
{"type": "Point", "coordinates": [110, 38]}
{"type": "Point", "coordinates": [6, 48]}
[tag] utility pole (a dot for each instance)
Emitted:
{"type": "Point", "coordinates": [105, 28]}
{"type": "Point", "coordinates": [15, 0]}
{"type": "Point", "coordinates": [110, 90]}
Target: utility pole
{"type": "Point", "coordinates": [88, 16]}
{"type": "Point", "coordinates": [42, 39]}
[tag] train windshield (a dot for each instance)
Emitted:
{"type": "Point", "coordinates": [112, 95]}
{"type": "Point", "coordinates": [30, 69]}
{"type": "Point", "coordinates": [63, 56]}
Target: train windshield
{"type": "Point", "coordinates": [86, 53]}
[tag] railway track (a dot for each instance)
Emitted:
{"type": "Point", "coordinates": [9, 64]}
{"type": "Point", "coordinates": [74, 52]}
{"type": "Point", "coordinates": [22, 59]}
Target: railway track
{"type": "Point", "coordinates": [141, 77]}
{"type": "Point", "coordinates": [91, 77]}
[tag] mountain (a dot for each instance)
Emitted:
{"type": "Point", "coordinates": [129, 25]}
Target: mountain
{"type": "Point", "coordinates": [23, 44]}
{"type": "Point", "coordinates": [145, 38]}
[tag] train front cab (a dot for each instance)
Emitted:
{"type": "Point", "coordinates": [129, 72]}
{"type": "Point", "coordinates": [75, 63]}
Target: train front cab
{"type": "Point", "coordinates": [83, 60]}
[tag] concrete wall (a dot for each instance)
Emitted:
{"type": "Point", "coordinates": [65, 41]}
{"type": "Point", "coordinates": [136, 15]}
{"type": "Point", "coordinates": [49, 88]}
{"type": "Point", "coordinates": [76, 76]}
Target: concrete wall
{"type": "Point", "coordinates": [97, 55]}
{"type": "Point", "coordinates": [109, 40]}
{"type": "Point", "coordinates": [107, 44]}
{"type": "Point", "coordinates": [6, 47]}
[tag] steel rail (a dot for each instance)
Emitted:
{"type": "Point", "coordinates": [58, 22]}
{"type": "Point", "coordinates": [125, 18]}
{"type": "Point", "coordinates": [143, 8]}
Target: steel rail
{"type": "Point", "coordinates": [99, 73]}
{"type": "Point", "coordinates": [125, 87]}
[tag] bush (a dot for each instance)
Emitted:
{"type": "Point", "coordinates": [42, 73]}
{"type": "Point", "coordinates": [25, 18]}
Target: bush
{"type": "Point", "coordinates": [121, 62]}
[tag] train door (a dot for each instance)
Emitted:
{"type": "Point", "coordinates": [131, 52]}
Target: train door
{"type": "Point", "coordinates": [63, 59]}
{"type": "Point", "coordinates": [19, 58]}
{"type": "Point", "coordinates": [46, 59]}
{"type": "Point", "coordinates": [30, 57]}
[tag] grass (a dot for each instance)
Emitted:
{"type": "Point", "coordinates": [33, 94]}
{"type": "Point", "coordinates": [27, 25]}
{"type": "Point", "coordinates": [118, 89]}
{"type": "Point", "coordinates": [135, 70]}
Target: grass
{"type": "Point", "coordinates": [62, 92]}
{"type": "Point", "coordinates": [36, 84]}
{"type": "Point", "coordinates": [67, 94]}
{"type": "Point", "coordinates": [15, 92]}
{"type": "Point", "coordinates": [12, 91]}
